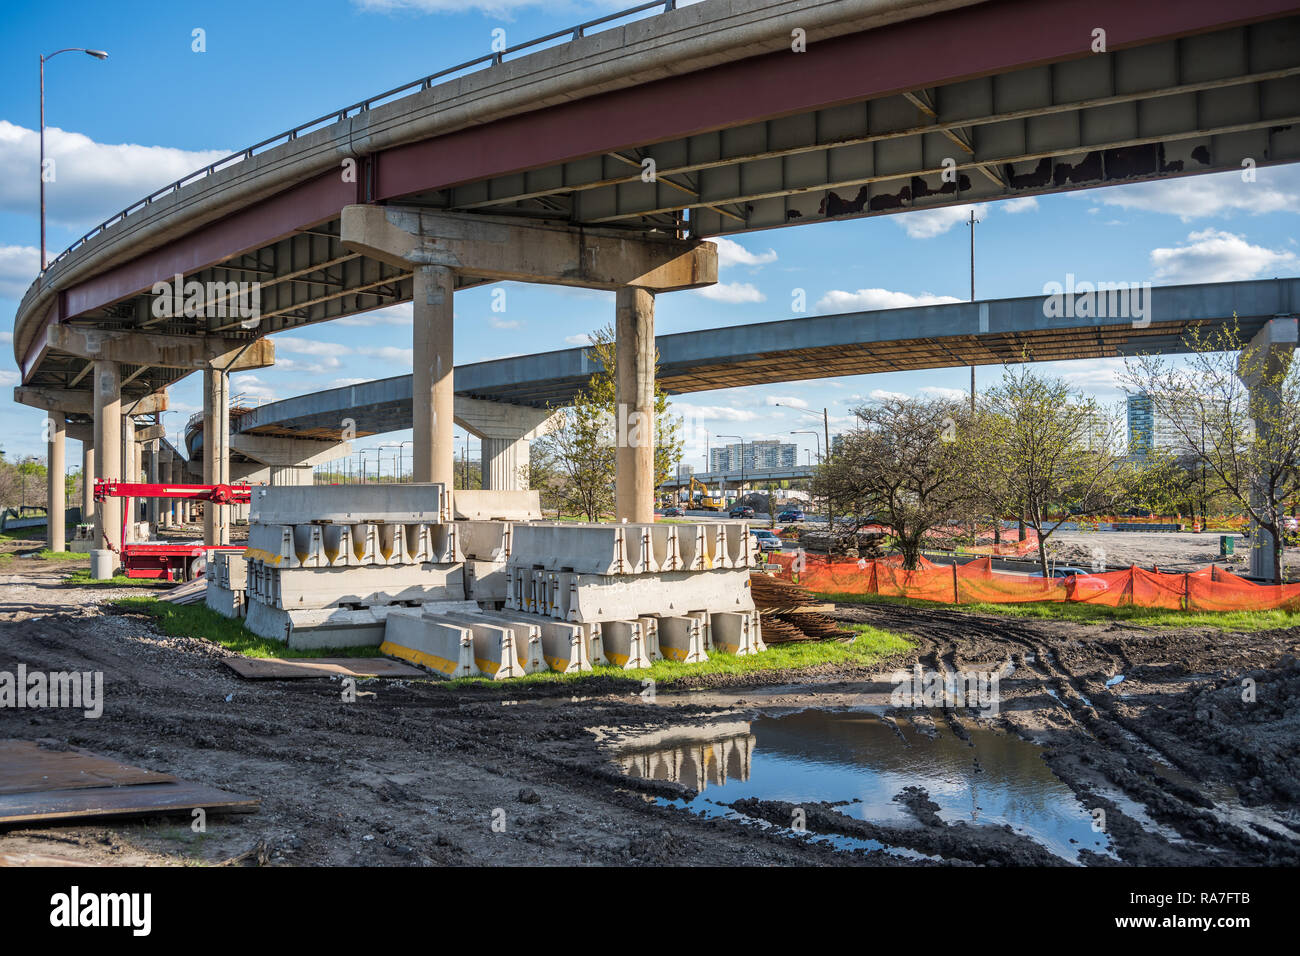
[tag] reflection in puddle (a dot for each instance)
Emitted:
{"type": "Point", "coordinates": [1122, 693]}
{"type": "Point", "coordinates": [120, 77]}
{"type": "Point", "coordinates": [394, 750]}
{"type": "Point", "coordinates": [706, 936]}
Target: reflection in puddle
{"type": "Point", "coordinates": [863, 760]}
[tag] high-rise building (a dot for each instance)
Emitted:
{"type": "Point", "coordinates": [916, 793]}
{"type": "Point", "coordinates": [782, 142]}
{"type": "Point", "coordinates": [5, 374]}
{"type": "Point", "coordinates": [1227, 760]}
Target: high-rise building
{"type": "Point", "coordinates": [1150, 430]}
{"type": "Point", "coordinates": [767, 455]}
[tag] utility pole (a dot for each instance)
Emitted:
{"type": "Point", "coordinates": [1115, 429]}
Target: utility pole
{"type": "Point", "coordinates": [971, 223]}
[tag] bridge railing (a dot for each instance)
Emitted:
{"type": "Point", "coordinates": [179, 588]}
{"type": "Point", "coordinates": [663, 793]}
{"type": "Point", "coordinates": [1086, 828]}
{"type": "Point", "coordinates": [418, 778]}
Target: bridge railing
{"type": "Point", "coordinates": [338, 116]}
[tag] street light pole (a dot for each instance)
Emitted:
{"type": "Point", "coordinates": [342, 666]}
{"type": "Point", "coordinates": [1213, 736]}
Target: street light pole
{"type": "Point", "coordinates": [971, 223]}
{"type": "Point", "coordinates": [40, 171]}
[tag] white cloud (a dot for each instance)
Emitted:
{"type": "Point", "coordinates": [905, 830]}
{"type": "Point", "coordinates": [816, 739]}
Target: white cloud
{"type": "Point", "coordinates": [716, 413]}
{"type": "Point", "coordinates": [939, 391]}
{"type": "Point", "coordinates": [1212, 255]}
{"type": "Point", "coordinates": [6, 337]}
{"type": "Point", "coordinates": [881, 395]}
{"type": "Point", "coordinates": [733, 292]}
{"type": "Point", "coordinates": [332, 354]}
{"type": "Point", "coordinates": [18, 267]}
{"type": "Point", "coordinates": [868, 299]}
{"type": "Point", "coordinates": [582, 338]}
{"type": "Point", "coordinates": [1092, 375]}
{"type": "Point", "coordinates": [928, 223]}
{"type": "Point", "coordinates": [1276, 189]}
{"type": "Point", "coordinates": [92, 180]}
{"type": "Point", "coordinates": [8, 377]}
{"type": "Point", "coordinates": [789, 400]}
{"type": "Point", "coordinates": [390, 315]}
{"type": "Point", "coordinates": [1023, 204]}
{"type": "Point", "coordinates": [732, 253]}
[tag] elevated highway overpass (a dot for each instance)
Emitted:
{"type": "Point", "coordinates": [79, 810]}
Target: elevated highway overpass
{"type": "Point", "coordinates": [607, 160]}
{"type": "Point", "coordinates": [994, 331]}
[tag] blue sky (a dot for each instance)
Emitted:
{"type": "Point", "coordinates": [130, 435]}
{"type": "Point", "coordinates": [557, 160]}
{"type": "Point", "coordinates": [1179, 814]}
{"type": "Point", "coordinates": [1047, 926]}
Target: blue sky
{"type": "Point", "coordinates": [156, 109]}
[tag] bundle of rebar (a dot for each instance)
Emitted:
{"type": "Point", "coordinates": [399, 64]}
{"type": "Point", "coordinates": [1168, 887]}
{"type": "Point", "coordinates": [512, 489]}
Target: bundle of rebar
{"type": "Point", "coordinates": [792, 613]}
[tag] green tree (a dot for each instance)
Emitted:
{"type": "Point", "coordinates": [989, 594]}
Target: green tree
{"type": "Point", "coordinates": [573, 465]}
{"type": "Point", "coordinates": [1048, 449]}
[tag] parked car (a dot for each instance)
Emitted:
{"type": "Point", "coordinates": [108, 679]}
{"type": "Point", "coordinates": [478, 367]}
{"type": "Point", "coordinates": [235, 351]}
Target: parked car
{"type": "Point", "coordinates": [767, 541]}
{"type": "Point", "coordinates": [741, 511]}
{"type": "Point", "coordinates": [674, 513]}
{"type": "Point", "coordinates": [791, 514]}
{"type": "Point", "coordinates": [1062, 571]}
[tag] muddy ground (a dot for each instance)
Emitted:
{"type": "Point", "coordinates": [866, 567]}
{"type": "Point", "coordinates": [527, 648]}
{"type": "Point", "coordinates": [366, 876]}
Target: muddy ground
{"type": "Point", "coordinates": [417, 773]}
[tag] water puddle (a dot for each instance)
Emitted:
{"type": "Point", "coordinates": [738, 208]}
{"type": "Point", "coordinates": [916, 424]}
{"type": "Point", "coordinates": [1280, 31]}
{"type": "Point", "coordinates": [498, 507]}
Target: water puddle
{"type": "Point", "coordinates": [862, 760]}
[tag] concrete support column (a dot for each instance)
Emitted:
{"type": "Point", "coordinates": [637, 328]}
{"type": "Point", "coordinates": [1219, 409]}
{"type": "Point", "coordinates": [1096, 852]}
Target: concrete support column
{"type": "Point", "coordinates": [155, 518]}
{"type": "Point", "coordinates": [87, 482]}
{"type": "Point", "coordinates": [216, 451]}
{"type": "Point", "coordinates": [129, 473]}
{"type": "Point", "coordinates": [55, 491]}
{"type": "Point", "coordinates": [634, 393]}
{"type": "Point", "coordinates": [505, 461]}
{"type": "Point", "coordinates": [432, 365]}
{"type": "Point", "coordinates": [108, 451]}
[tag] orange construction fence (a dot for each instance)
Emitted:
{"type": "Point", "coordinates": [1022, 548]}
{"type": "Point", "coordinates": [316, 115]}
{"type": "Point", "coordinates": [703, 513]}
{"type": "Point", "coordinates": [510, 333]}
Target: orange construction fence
{"type": "Point", "coordinates": [1210, 589]}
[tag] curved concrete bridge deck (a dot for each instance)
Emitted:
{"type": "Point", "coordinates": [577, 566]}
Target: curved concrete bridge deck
{"type": "Point", "coordinates": [605, 161]}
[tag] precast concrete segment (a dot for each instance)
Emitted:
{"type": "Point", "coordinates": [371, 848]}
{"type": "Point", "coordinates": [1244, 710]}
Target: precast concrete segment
{"type": "Point", "coordinates": [414, 503]}
{"type": "Point", "coordinates": [494, 645]}
{"type": "Point", "coordinates": [327, 587]}
{"type": "Point", "coordinates": [108, 459]}
{"type": "Point", "coordinates": [681, 639]}
{"type": "Point", "coordinates": [736, 633]}
{"type": "Point", "coordinates": [486, 581]}
{"type": "Point", "coordinates": [565, 646]}
{"type": "Point", "coordinates": [593, 637]}
{"type": "Point", "coordinates": [634, 396]}
{"type": "Point", "coordinates": [432, 367]}
{"type": "Point", "coordinates": [227, 584]}
{"type": "Point", "coordinates": [587, 548]}
{"type": "Point", "coordinates": [590, 597]}
{"type": "Point", "coordinates": [650, 638]}
{"type": "Point", "coordinates": [497, 505]}
{"type": "Point", "coordinates": [624, 644]}
{"type": "Point", "coordinates": [484, 540]}
{"type": "Point", "coordinates": [528, 638]}
{"type": "Point", "coordinates": [446, 649]}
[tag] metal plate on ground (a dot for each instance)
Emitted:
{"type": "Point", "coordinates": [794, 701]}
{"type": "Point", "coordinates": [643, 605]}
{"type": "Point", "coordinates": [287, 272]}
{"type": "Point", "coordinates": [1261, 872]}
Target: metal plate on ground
{"type": "Point", "coordinates": [277, 668]}
{"type": "Point", "coordinates": [27, 767]}
{"type": "Point", "coordinates": [50, 784]}
{"type": "Point", "coordinates": [51, 806]}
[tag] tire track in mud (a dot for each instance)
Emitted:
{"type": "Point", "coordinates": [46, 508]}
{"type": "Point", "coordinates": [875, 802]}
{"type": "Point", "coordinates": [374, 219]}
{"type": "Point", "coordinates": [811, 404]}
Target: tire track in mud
{"type": "Point", "coordinates": [1102, 748]}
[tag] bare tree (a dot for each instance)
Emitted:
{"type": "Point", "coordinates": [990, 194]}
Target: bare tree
{"type": "Point", "coordinates": [1234, 408]}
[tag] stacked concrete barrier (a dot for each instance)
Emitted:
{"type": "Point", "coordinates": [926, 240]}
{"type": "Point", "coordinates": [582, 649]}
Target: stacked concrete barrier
{"type": "Point", "coordinates": [326, 564]}
{"type": "Point", "coordinates": [227, 586]}
{"type": "Point", "coordinates": [482, 588]}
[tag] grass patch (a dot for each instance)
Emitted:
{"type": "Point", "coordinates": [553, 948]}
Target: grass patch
{"type": "Point", "coordinates": [871, 646]}
{"type": "Point", "coordinates": [1093, 613]}
{"type": "Point", "coordinates": [82, 579]}
{"type": "Point", "coordinates": [198, 620]}
{"type": "Point", "coordinates": [45, 554]}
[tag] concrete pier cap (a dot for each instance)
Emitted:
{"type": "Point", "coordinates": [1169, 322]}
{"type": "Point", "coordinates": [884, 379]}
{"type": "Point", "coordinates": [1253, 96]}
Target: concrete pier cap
{"type": "Point", "coordinates": [437, 245]}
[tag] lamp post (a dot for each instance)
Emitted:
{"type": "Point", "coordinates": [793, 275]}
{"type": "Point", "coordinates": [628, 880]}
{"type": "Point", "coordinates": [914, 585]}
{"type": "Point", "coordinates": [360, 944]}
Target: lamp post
{"type": "Point", "coordinates": [826, 429]}
{"type": "Point", "coordinates": [98, 55]}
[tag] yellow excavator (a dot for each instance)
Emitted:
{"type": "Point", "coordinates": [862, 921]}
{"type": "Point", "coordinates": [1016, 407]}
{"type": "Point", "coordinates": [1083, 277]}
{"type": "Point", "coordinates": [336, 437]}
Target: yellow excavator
{"type": "Point", "coordinates": [703, 501]}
